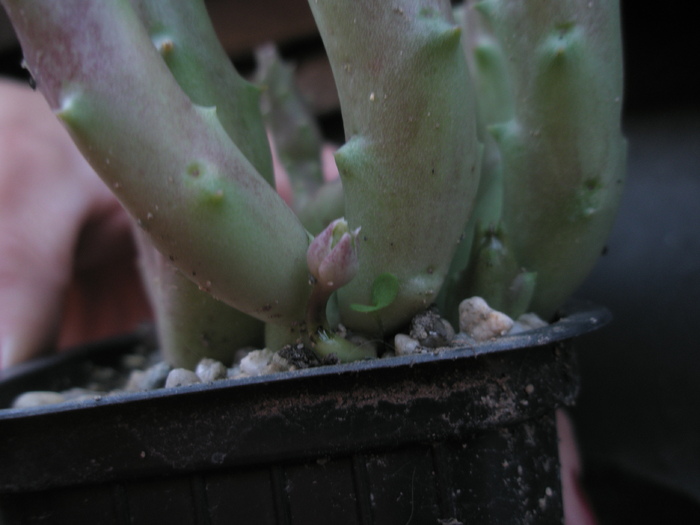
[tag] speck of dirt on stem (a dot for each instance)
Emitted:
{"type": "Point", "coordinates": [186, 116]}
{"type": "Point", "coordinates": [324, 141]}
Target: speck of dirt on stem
{"type": "Point", "coordinates": [166, 46]}
{"type": "Point", "coordinates": [194, 170]}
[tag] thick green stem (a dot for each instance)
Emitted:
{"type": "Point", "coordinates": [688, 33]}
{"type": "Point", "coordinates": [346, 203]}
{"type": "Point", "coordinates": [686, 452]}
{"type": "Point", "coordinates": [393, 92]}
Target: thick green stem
{"type": "Point", "coordinates": [183, 34]}
{"type": "Point", "coordinates": [169, 161]}
{"type": "Point", "coordinates": [191, 324]}
{"type": "Point", "coordinates": [409, 119]}
{"type": "Point", "coordinates": [295, 132]}
{"type": "Point", "coordinates": [494, 275]}
{"type": "Point", "coordinates": [326, 205]}
{"type": "Point", "coordinates": [555, 120]}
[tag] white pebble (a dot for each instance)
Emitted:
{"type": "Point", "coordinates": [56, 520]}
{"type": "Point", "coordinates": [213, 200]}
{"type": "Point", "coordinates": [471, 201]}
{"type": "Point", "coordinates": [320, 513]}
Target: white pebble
{"type": "Point", "coordinates": [482, 322]}
{"type": "Point", "coordinates": [278, 364]}
{"type": "Point", "coordinates": [255, 363]}
{"type": "Point", "coordinates": [149, 379]}
{"type": "Point", "coordinates": [532, 320]}
{"type": "Point", "coordinates": [156, 375]}
{"type": "Point", "coordinates": [80, 394]}
{"type": "Point", "coordinates": [181, 377]}
{"type": "Point", "coordinates": [405, 345]}
{"type": "Point", "coordinates": [136, 381]}
{"type": "Point", "coordinates": [525, 323]}
{"type": "Point", "coordinates": [37, 399]}
{"type": "Point", "coordinates": [209, 370]}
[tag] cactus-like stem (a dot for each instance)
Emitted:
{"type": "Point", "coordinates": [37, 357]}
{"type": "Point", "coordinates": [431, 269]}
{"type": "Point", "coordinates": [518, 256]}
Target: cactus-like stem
{"type": "Point", "coordinates": [190, 323]}
{"type": "Point", "coordinates": [295, 132]}
{"type": "Point", "coordinates": [325, 205]}
{"type": "Point", "coordinates": [494, 275]}
{"type": "Point", "coordinates": [298, 143]}
{"type": "Point", "coordinates": [169, 161]}
{"type": "Point", "coordinates": [559, 138]}
{"type": "Point", "coordinates": [183, 34]}
{"type": "Point", "coordinates": [408, 112]}
{"type": "Point", "coordinates": [488, 67]}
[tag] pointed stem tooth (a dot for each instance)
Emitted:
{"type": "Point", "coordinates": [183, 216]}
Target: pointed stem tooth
{"type": "Point", "coordinates": [185, 37]}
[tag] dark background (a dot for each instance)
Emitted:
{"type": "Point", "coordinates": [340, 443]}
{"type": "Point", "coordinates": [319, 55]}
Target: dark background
{"type": "Point", "coordinates": [638, 416]}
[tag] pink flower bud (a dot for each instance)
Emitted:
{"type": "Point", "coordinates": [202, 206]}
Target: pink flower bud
{"type": "Point", "coordinates": [332, 255]}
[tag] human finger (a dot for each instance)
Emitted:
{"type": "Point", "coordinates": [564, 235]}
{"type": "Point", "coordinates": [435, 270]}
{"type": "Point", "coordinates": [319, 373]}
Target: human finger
{"type": "Point", "coordinates": [577, 509]}
{"type": "Point", "coordinates": [46, 193]}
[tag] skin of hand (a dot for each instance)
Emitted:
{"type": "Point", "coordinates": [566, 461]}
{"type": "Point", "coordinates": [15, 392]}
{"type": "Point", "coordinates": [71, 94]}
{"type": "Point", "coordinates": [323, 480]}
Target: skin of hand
{"type": "Point", "coordinates": [577, 507]}
{"type": "Point", "coordinates": [67, 259]}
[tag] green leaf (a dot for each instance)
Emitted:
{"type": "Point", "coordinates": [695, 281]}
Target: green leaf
{"type": "Point", "coordinates": [385, 288]}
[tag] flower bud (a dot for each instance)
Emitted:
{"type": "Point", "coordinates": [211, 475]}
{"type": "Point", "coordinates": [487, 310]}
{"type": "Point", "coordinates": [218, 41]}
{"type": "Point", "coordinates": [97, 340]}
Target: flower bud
{"type": "Point", "coordinates": [332, 255]}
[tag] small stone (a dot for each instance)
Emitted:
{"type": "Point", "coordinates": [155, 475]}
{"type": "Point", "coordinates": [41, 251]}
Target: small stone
{"type": "Point", "coordinates": [80, 394]}
{"type": "Point", "coordinates": [449, 330]}
{"type": "Point", "coordinates": [278, 364]}
{"type": "Point", "coordinates": [527, 322]}
{"type": "Point", "coordinates": [136, 381]}
{"type": "Point", "coordinates": [480, 321]}
{"type": "Point", "coordinates": [263, 362]}
{"type": "Point", "coordinates": [102, 378]}
{"type": "Point", "coordinates": [450, 521]}
{"type": "Point", "coordinates": [431, 330]}
{"type": "Point", "coordinates": [234, 372]}
{"type": "Point", "coordinates": [210, 370]}
{"type": "Point", "coordinates": [149, 379]}
{"type": "Point", "coordinates": [181, 377]}
{"type": "Point", "coordinates": [463, 340]}
{"type": "Point", "coordinates": [256, 362]}
{"type": "Point", "coordinates": [406, 345]}
{"type": "Point", "coordinates": [299, 357]}
{"type": "Point", "coordinates": [37, 399]}
{"type": "Point", "coordinates": [518, 328]}
{"type": "Point", "coordinates": [156, 375]}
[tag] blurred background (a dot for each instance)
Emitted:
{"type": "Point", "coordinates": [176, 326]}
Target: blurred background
{"type": "Point", "coordinates": [638, 417]}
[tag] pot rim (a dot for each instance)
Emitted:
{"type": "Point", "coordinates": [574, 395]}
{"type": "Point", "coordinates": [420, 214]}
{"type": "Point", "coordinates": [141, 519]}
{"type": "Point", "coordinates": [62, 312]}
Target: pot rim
{"type": "Point", "coordinates": [575, 319]}
{"type": "Point", "coordinates": [291, 416]}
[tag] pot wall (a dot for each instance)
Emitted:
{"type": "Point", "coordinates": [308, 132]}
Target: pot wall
{"type": "Point", "coordinates": [465, 436]}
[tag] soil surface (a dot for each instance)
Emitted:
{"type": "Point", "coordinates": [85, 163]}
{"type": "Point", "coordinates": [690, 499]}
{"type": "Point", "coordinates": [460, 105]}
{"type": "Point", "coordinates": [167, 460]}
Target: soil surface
{"type": "Point", "coordinates": [142, 370]}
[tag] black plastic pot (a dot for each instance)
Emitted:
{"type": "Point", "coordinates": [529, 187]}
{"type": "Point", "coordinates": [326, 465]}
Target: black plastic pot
{"type": "Point", "coordinates": [464, 436]}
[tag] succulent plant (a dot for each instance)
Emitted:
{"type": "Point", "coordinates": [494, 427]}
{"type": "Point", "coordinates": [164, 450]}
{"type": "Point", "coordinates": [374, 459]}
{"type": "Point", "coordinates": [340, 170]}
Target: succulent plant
{"type": "Point", "coordinates": [483, 157]}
